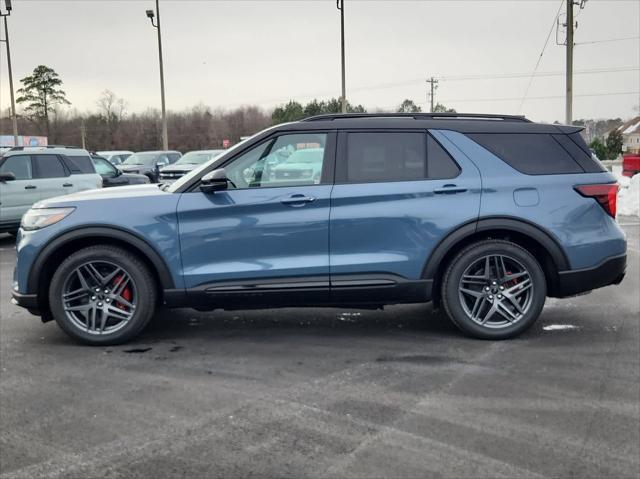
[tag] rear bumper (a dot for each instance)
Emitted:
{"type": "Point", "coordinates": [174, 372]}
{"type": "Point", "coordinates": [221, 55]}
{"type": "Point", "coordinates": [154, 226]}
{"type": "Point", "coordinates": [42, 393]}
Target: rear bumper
{"type": "Point", "coordinates": [610, 271]}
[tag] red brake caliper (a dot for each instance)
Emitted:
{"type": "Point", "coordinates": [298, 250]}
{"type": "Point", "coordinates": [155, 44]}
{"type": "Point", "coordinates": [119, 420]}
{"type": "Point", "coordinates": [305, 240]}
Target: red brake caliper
{"type": "Point", "coordinates": [126, 292]}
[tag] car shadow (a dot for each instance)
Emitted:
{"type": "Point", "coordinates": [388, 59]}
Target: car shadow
{"type": "Point", "coordinates": [184, 324]}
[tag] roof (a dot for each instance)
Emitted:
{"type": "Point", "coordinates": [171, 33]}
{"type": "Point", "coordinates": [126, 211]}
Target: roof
{"type": "Point", "coordinates": [157, 152]}
{"type": "Point", "coordinates": [51, 149]}
{"type": "Point", "coordinates": [461, 122]}
{"type": "Point", "coordinates": [113, 152]}
{"type": "Point", "coordinates": [630, 127]}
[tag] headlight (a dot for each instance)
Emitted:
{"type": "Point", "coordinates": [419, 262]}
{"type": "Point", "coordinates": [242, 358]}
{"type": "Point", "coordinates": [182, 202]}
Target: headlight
{"type": "Point", "coordinates": [35, 219]}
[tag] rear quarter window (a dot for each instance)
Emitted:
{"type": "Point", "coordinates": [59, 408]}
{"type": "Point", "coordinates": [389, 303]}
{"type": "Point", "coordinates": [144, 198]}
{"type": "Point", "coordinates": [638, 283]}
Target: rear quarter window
{"type": "Point", "coordinates": [529, 153]}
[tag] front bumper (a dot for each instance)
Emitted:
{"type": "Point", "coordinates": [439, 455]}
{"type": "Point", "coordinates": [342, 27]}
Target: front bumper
{"type": "Point", "coordinates": [610, 271]}
{"type": "Point", "coordinates": [28, 301]}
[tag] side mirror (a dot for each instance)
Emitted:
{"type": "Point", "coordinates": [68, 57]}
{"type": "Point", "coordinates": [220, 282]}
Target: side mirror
{"type": "Point", "coordinates": [7, 176]}
{"type": "Point", "coordinates": [213, 181]}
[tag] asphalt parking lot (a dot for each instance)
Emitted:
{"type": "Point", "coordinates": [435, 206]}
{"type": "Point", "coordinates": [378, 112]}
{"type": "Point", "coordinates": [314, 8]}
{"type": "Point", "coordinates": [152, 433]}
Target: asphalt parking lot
{"type": "Point", "coordinates": [327, 393]}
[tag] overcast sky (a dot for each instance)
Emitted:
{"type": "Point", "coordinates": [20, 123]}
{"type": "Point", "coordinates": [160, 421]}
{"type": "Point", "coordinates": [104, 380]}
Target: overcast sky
{"type": "Point", "coordinates": [231, 53]}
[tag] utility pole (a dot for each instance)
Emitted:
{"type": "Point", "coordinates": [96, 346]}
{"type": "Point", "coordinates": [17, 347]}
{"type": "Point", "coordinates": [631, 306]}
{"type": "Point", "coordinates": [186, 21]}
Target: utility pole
{"type": "Point", "coordinates": [83, 134]}
{"type": "Point", "coordinates": [434, 86]}
{"type": "Point", "coordinates": [569, 72]}
{"type": "Point", "coordinates": [343, 98]}
{"type": "Point", "coordinates": [14, 117]}
{"type": "Point", "coordinates": [150, 14]}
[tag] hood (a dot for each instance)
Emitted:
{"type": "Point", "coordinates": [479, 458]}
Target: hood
{"type": "Point", "coordinates": [127, 168]}
{"type": "Point", "coordinates": [179, 168]}
{"type": "Point", "coordinates": [121, 192]}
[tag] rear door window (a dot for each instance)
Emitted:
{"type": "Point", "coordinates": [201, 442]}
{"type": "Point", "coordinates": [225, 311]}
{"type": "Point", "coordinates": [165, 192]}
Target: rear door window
{"type": "Point", "coordinates": [385, 156]}
{"type": "Point", "coordinates": [48, 166]}
{"type": "Point", "coordinates": [370, 157]}
{"type": "Point", "coordinates": [529, 153]}
{"type": "Point", "coordinates": [19, 165]}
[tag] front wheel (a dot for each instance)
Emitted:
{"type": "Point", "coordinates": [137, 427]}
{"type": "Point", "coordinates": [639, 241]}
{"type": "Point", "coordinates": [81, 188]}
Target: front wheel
{"type": "Point", "coordinates": [102, 295]}
{"type": "Point", "coordinates": [494, 289]}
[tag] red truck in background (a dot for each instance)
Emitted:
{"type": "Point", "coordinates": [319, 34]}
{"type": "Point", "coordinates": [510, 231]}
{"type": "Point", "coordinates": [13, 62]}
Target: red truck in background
{"type": "Point", "coordinates": [630, 164]}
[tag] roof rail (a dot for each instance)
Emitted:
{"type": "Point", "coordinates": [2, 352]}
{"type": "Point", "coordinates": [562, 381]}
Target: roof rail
{"type": "Point", "coordinates": [21, 148]}
{"type": "Point", "coordinates": [420, 116]}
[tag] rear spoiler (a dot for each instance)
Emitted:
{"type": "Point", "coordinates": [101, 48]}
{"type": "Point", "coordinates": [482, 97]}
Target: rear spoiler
{"type": "Point", "coordinates": [568, 129]}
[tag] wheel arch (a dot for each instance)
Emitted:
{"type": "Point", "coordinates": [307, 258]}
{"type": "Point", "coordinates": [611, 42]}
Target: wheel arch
{"type": "Point", "coordinates": [62, 246]}
{"type": "Point", "coordinates": [532, 237]}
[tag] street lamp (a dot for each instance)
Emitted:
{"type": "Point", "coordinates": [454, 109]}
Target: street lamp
{"type": "Point", "coordinates": [156, 24]}
{"type": "Point", "coordinates": [340, 6]}
{"type": "Point", "coordinates": [8, 8]}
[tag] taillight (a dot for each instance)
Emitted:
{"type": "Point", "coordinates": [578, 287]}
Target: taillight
{"type": "Point", "coordinates": [605, 194]}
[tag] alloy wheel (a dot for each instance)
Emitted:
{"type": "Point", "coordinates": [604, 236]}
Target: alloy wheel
{"type": "Point", "coordinates": [99, 297]}
{"type": "Point", "coordinates": [496, 291]}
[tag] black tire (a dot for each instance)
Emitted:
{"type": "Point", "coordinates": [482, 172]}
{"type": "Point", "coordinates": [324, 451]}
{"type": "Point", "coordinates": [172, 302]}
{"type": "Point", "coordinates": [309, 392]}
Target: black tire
{"type": "Point", "coordinates": [461, 314]}
{"type": "Point", "coordinates": [141, 281]}
{"type": "Point", "coordinates": [152, 178]}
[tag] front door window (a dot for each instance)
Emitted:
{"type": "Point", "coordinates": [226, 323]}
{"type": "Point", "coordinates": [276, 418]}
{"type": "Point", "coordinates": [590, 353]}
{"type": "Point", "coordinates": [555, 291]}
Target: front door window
{"type": "Point", "coordinates": [288, 160]}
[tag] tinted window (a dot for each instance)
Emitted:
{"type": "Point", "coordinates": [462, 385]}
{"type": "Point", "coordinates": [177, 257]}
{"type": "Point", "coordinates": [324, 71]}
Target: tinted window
{"type": "Point", "coordinates": [80, 164]}
{"type": "Point", "coordinates": [173, 156]}
{"type": "Point", "coordinates": [440, 165]}
{"type": "Point", "coordinates": [103, 167]}
{"type": "Point", "coordinates": [530, 153]}
{"type": "Point", "coordinates": [19, 165]}
{"type": "Point", "coordinates": [289, 160]}
{"type": "Point", "coordinates": [581, 152]}
{"type": "Point", "coordinates": [48, 166]}
{"type": "Point", "coordinates": [389, 156]}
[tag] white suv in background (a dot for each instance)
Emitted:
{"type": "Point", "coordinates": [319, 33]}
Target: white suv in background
{"type": "Point", "coordinates": [31, 174]}
{"type": "Point", "coordinates": [115, 157]}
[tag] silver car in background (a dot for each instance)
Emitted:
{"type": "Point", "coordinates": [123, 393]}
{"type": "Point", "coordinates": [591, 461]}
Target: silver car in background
{"type": "Point", "coordinates": [32, 174]}
{"type": "Point", "coordinates": [115, 157]}
{"type": "Point", "coordinates": [186, 163]}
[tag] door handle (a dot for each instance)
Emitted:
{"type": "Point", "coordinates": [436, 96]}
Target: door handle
{"type": "Point", "coordinates": [449, 190]}
{"type": "Point", "coordinates": [297, 200]}
{"type": "Point", "coordinates": [67, 184]}
{"type": "Point", "coordinates": [29, 187]}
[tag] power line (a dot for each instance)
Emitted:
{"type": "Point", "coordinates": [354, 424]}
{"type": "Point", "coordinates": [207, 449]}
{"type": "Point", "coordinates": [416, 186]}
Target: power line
{"type": "Point", "coordinates": [550, 97]}
{"type": "Point", "coordinates": [608, 40]}
{"type": "Point", "coordinates": [501, 76]}
{"type": "Point", "coordinates": [489, 76]}
{"type": "Point", "coordinates": [546, 42]}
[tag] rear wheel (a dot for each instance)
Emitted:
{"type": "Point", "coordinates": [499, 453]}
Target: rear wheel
{"type": "Point", "coordinates": [102, 295]}
{"type": "Point", "coordinates": [494, 290]}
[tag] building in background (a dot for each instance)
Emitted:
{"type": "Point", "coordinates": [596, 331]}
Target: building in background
{"type": "Point", "coordinates": [7, 141]}
{"type": "Point", "coordinates": [631, 136]}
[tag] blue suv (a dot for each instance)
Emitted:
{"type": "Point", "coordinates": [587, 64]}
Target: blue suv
{"type": "Point", "coordinates": [485, 215]}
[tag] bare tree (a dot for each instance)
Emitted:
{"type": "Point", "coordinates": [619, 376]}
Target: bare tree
{"type": "Point", "coordinates": [112, 110]}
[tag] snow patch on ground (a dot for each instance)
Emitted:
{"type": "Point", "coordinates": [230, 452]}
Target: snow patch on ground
{"type": "Point", "coordinates": [628, 195]}
{"type": "Point", "coordinates": [559, 327]}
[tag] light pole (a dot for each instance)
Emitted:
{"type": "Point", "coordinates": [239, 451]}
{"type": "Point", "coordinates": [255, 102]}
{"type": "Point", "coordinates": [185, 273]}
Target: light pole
{"type": "Point", "coordinates": [343, 98]}
{"type": "Point", "coordinates": [14, 118]}
{"type": "Point", "coordinates": [150, 14]}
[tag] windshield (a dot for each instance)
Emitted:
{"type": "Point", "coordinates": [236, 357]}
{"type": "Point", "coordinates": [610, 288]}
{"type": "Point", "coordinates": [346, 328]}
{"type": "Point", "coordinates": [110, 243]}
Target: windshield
{"type": "Point", "coordinates": [141, 159]}
{"type": "Point", "coordinates": [197, 157]}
